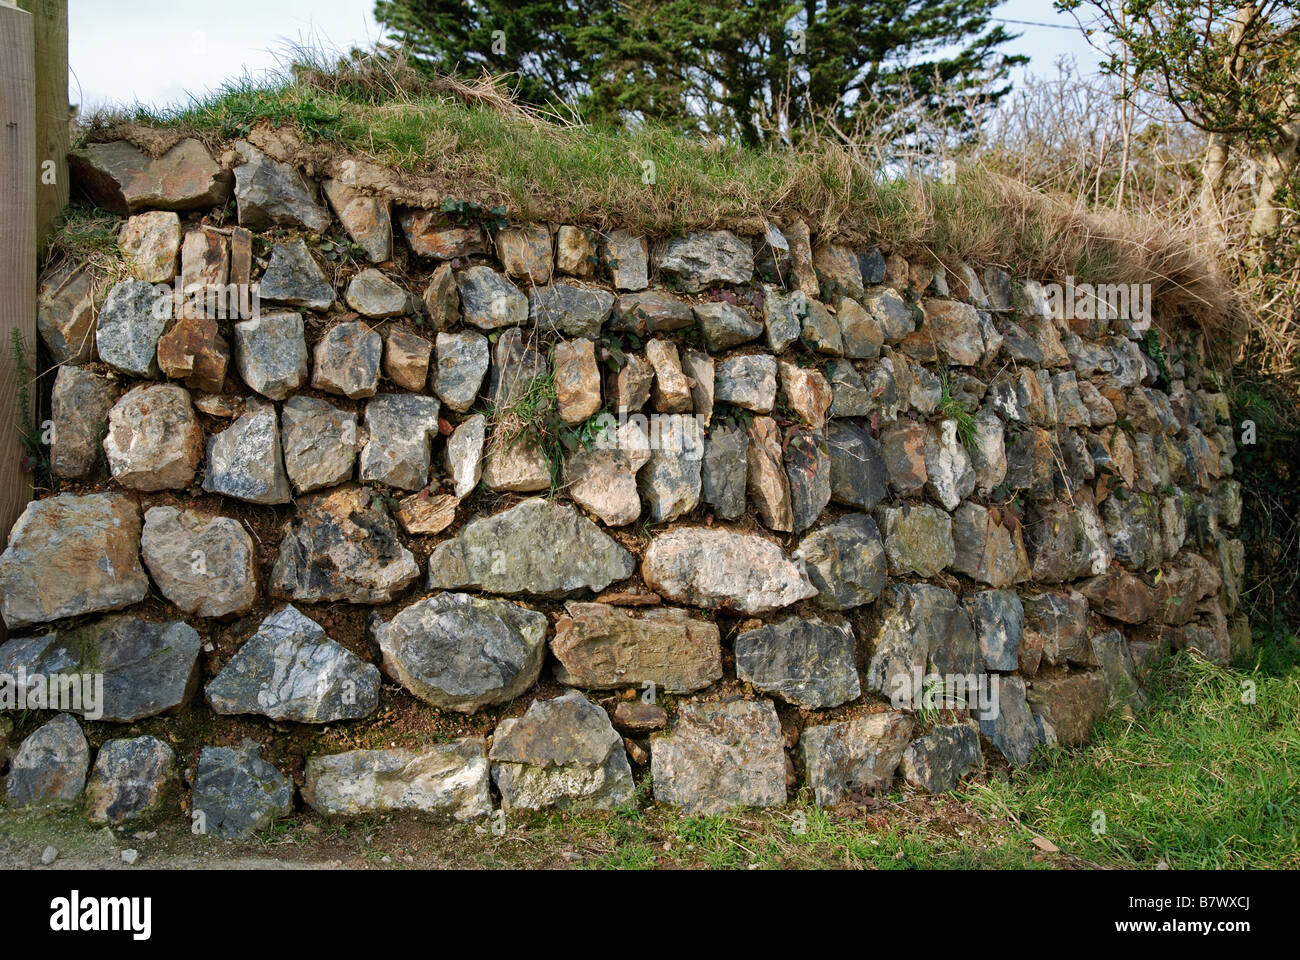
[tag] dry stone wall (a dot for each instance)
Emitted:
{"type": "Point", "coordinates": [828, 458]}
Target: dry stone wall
{"type": "Point", "coordinates": [358, 507]}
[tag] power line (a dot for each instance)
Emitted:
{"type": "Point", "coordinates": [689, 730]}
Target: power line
{"type": "Point", "coordinates": [1034, 23]}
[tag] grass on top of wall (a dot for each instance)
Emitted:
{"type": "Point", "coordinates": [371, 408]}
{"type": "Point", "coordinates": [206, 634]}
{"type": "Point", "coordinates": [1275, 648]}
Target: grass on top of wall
{"type": "Point", "coordinates": [472, 142]}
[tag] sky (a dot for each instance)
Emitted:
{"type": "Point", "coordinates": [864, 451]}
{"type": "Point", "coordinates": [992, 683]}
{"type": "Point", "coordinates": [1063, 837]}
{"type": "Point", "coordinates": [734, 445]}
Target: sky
{"type": "Point", "coordinates": [113, 46]}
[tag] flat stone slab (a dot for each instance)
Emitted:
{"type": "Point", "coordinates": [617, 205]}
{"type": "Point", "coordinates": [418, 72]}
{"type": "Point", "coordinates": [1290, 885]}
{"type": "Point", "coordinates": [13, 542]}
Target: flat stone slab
{"type": "Point", "coordinates": [442, 778]}
{"type": "Point", "coordinates": [537, 547]}
{"type": "Point", "coordinates": [719, 569]}
{"type": "Point", "coordinates": [602, 647]}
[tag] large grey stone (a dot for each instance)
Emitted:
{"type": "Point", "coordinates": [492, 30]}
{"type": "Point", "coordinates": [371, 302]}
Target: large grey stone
{"type": "Point", "coordinates": [488, 300]}
{"type": "Point", "coordinates": [244, 460]}
{"type": "Point", "coordinates": [936, 761]}
{"type": "Point", "coordinates": [132, 780]}
{"type": "Point", "coordinates": [402, 427]}
{"type": "Point", "coordinates": [237, 793]}
{"type": "Point", "coordinates": [703, 259]}
{"type": "Point", "coordinates": [440, 778]}
{"type": "Point", "coordinates": [537, 547]}
{"type": "Point", "coordinates": [50, 766]}
{"type": "Point", "coordinates": [79, 406]}
{"type": "Point", "coordinates": [271, 353]}
{"type": "Point", "coordinates": [719, 569]}
{"type": "Point", "coordinates": [202, 564]}
{"type": "Point", "coordinates": [857, 755]}
{"type": "Point", "coordinates": [347, 361]}
{"type": "Point", "coordinates": [319, 441]}
{"type": "Point", "coordinates": [569, 310]}
{"type": "Point", "coordinates": [462, 362]}
{"type": "Point", "coordinates": [802, 660]}
{"type": "Point", "coordinates": [845, 561]}
{"type": "Point", "coordinates": [133, 317]}
{"type": "Point", "coordinates": [273, 194]}
{"type": "Point", "coordinates": [561, 753]}
{"type": "Point", "coordinates": [154, 440]}
{"type": "Point", "coordinates": [919, 625]}
{"type": "Point", "coordinates": [460, 652]}
{"type": "Point", "coordinates": [720, 756]}
{"type": "Point", "coordinates": [293, 277]}
{"type": "Point", "coordinates": [858, 473]}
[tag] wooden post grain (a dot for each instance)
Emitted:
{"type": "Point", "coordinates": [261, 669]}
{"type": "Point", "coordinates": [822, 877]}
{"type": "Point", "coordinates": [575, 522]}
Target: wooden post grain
{"type": "Point", "coordinates": [52, 138]}
{"type": "Point", "coordinates": [17, 249]}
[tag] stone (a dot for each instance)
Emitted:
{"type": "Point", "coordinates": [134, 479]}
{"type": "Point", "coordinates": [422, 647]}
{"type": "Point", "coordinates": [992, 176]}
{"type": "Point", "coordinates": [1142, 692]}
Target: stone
{"type": "Point", "coordinates": [651, 311]}
{"type": "Point", "coordinates": [603, 480]}
{"type": "Point", "coordinates": [79, 407]}
{"type": "Point", "coordinates": [371, 294]}
{"type": "Point", "coordinates": [577, 380]}
{"type": "Point", "coordinates": [237, 793]}
{"type": "Point", "coordinates": [706, 259]}
{"type": "Point", "coordinates": [320, 443]}
{"type": "Point", "coordinates": [293, 277]}
{"type": "Point", "coordinates": [576, 251]}
{"type": "Point", "coordinates": [672, 391]}
{"type": "Point", "coordinates": [429, 234]}
{"type": "Point", "coordinates": [903, 446]}
{"type": "Point", "coordinates": [50, 766]}
{"type": "Point", "coordinates": [68, 555]}
{"type": "Point", "coordinates": [368, 220]}
{"type": "Point", "coordinates": [625, 254]}
{"type": "Point", "coordinates": [698, 368]}
{"type": "Point", "coordinates": [463, 653]}
{"type": "Point", "coordinates": [604, 647]}
{"type": "Point", "coordinates": [1070, 703]}
{"type": "Point", "coordinates": [988, 452]}
{"type": "Point", "coordinates": [1031, 463]}
{"type": "Point", "coordinates": [570, 311]}
{"type": "Point", "coordinates": [919, 624]}
{"type": "Point", "coordinates": [347, 361]}
{"type": "Point", "coordinates": [203, 565]}
{"type": "Point", "coordinates": [464, 454]}
{"type": "Point", "coordinates": [779, 318]}
{"type": "Point", "coordinates": [837, 269]}
{"type": "Point", "coordinates": [820, 330]}
{"type": "Point", "coordinates": [406, 359]}
{"type": "Point", "coordinates": [438, 778]}
{"type": "Point", "coordinates": [766, 479]}
{"type": "Point", "coordinates": [806, 392]}
{"type": "Point", "coordinates": [999, 618]}
{"type": "Point", "coordinates": [1055, 631]}
{"type": "Point", "coordinates": [1066, 542]}
{"type": "Point", "coordinates": [845, 561]}
{"type": "Point", "coordinates": [670, 481]}
{"type": "Point", "coordinates": [860, 330]}
{"type": "Point", "coordinates": [720, 756]}
{"type": "Point", "coordinates": [194, 350]}
{"type": "Point", "coordinates": [205, 266]}
{"type": "Point", "coordinates": [808, 470]}
{"type": "Point", "coordinates": [956, 331]}
{"type": "Point", "coordinates": [150, 243]}
{"type": "Point", "coordinates": [802, 660]}
{"type": "Point", "coordinates": [536, 547]}
{"type": "Point", "coordinates": [516, 368]}
{"type": "Point", "coordinates": [918, 540]}
{"type": "Point", "coordinates": [1117, 666]}
{"type": "Point", "coordinates": [1132, 524]}
{"type": "Point", "coordinates": [861, 754]}
{"type": "Point", "coordinates": [290, 670]}
{"type": "Point", "coordinates": [402, 427]}
{"type": "Point", "coordinates": [801, 257]}
{"type": "Point", "coordinates": [561, 753]}
{"type": "Point", "coordinates": [421, 513]}
{"type": "Point", "coordinates": [130, 322]}
{"type": "Point", "coordinates": [462, 362]}
{"type": "Point", "coordinates": [724, 472]}
{"type": "Point", "coordinates": [858, 471]}
{"type": "Point", "coordinates": [725, 325]}
{"type": "Point", "coordinates": [244, 460]}
{"type": "Point", "coordinates": [748, 381]}
{"type": "Point", "coordinates": [637, 719]}
{"type": "Point", "coordinates": [949, 476]}
{"type": "Point", "coordinates": [488, 300]}
{"type": "Point", "coordinates": [988, 548]}
{"type": "Point", "coordinates": [629, 387]}
{"type": "Point", "coordinates": [271, 353]}
{"type": "Point", "coordinates": [132, 780]}
{"type": "Point", "coordinates": [525, 253]}
{"type": "Point", "coordinates": [122, 178]}
{"type": "Point", "coordinates": [1011, 726]}
{"type": "Point", "coordinates": [1121, 596]}
{"type": "Point", "coordinates": [154, 440]}
{"type": "Point", "coordinates": [339, 546]}
{"type": "Point", "coordinates": [148, 668]}
{"type": "Point", "coordinates": [517, 465]}
{"type": "Point", "coordinates": [892, 313]}
{"type": "Point", "coordinates": [935, 762]}
{"type": "Point", "coordinates": [65, 314]}
{"type": "Point", "coordinates": [241, 258]}
{"type": "Point", "coordinates": [442, 299]}
{"type": "Point", "coordinates": [273, 194]}
{"type": "Point", "coordinates": [719, 569]}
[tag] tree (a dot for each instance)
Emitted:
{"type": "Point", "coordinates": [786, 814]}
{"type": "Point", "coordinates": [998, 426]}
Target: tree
{"type": "Point", "coordinates": [1232, 70]}
{"type": "Point", "coordinates": [747, 70]}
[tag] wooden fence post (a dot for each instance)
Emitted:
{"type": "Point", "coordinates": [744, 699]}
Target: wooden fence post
{"type": "Point", "coordinates": [53, 139]}
{"type": "Point", "coordinates": [17, 248]}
